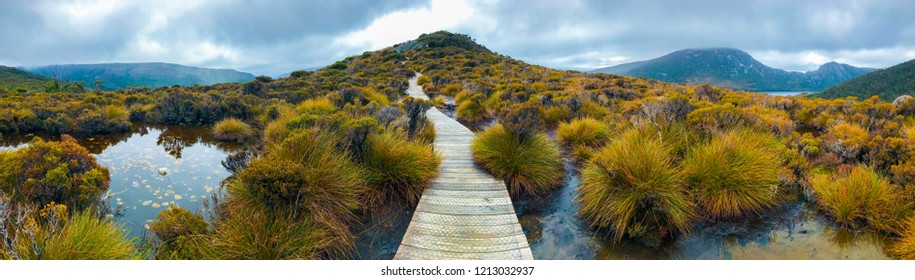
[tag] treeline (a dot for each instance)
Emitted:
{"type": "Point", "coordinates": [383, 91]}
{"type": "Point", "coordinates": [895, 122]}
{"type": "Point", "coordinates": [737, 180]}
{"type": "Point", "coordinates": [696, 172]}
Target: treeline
{"type": "Point", "coordinates": [888, 84]}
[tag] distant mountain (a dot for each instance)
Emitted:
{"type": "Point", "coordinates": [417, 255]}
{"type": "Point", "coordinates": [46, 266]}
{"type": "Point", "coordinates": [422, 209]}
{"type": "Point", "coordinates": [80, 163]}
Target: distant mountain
{"type": "Point", "coordinates": [154, 74]}
{"type": "Point", "coordinates": [13, 78]}
{"type": "Point", "coordinates": [286, 75]}
{"type": "Point", "coordinates": [888, 84]}
{"type": "Point", "coordinates": [733, 68]}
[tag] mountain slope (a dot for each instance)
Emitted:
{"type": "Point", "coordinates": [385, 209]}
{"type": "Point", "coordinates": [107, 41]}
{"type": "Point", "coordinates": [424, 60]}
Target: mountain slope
{"type": "Point", "coordinates": [155, 74]}
{"type": "Point", "coordinates": [733, 68]}
{"type": "Point", "coordinates": [887, 84]}
{"type": "Point", "coordinates": [12, 78]}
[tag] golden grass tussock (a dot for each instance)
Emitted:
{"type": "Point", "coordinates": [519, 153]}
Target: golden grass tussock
{"type": "Point", "coordinates": [398, 169]}
{"type": "Point", "coordinates": [585, 131]}
{"type": "Point", "coordinates": [734, 174]}
{"type": "Point", "coordinates": [308, 174]}
{"type": "Point", "coordinates": [904, 247]}
{"type": "Point", "coordinates": [81, 237]}
{"type": "Point", "coordinates": [858, 196]}
{"type": "Point", "coordinates": [232, 129]}
{"type": "Point", "coordinates": [633, 187]}
{"type": "Point", "coordinates": [530, 166]}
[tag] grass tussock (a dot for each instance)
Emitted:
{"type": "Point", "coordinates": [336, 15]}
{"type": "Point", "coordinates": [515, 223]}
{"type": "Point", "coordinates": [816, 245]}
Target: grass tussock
{"type": "Point", "coordinates": [532, 166]}
{"type": "Point", "coordinates": [261, 234]}
{"type": "Point", "coordinates": [471, 109]}
{"type": "Point", "coordinates": [904, 247]}
{"type": "Point", "coordinates": [83, 237]}
{"type": "Point", "coordinates": [232, 129]}
{"type": "Point", "coordinates": [857, 196]}
{"type": "Point", "coordinates": [398, 169]}
{"type": "Point", "coordinates": [734, 174]}
{"type": "Point", "coordinates": [633, 187]}
{"type": "Point", "coordinates": [585, 131]}
{"type": "Point", "coordinates": [316, 106]}
{"type": "Point", "coordinates": [308, 174]}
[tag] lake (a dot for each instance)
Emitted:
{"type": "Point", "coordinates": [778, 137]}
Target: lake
{"type": "Point", "coordinates": [190, 157]}
{"type": "Point", "coordinates": [784, 93]}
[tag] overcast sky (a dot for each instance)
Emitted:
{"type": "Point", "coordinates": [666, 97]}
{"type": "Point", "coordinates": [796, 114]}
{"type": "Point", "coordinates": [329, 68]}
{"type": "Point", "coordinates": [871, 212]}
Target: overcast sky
{"type": "Point", "coordinates": [274, 37]}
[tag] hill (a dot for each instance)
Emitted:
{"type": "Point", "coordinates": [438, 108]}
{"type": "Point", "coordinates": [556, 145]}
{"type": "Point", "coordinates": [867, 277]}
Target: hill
{"type": "Point", "coordinates": [887, 84]}
{"type": "Point", "coordinates": [733, 68]}
{"type": "Point", "coordinates": [154, 74]}
{"type": "Point", "coordinates": [12, 78]}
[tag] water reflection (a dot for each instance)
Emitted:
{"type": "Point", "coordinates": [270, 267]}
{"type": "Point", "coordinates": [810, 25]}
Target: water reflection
{"type": "Point", "coordinates": [191, 156]}
{"type": "Point", "coordinates": [793, 231]}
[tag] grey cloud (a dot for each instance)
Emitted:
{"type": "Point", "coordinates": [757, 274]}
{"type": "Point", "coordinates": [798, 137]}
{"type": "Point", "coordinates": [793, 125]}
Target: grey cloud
{"type": "Point", "coordinates": [645, 29]}
{"type": "Point", "coordinates": [278, 36]}
{"type": "Point", "coordinates": [258, 30]}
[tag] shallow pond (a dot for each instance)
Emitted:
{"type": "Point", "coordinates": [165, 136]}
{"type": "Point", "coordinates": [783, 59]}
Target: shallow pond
{"type": "Point", "coordinates": [188, 157]}
{"type": "Point", "coordinates": [794, 231]}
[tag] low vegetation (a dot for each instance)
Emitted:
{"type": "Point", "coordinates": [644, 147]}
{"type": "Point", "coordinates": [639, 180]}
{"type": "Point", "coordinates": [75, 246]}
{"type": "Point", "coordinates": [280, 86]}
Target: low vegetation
{"type": "Point", "coordinates": [329, 144]}
{"type": "Point", "coordinates": [233, 130]}
{"type": "Point", "coordinates": [734, 174]}
{"type": "Point", "coordinates": [532, 165]}
{"type": "Point", "coordinates": [904, 248]}
{"type": "Point", "coordinates": [634, 188]}
{"type": "Point", "coordinates": [857, 196]}
{"type": "Point", "coordinates": [398, 169]}
{"type": "Point", "coordinates": [50, 206]}
{"type": "Point", "coordinates": [45, 172]}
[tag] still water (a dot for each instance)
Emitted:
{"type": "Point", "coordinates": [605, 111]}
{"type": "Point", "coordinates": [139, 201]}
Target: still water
{"type": "Point", "coordinates": [785, 93]}
{"type": "Point", "coordinates": [794, 231]}
{"type": "Point", "coordinates": [153, 167]}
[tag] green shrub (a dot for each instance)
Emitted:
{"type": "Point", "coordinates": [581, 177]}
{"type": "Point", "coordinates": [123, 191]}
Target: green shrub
{"type": "Point", "coordinates": [63, 172]}
{"type": "Point", "coordinates": [398, 169]}
{"type": "Point", "coordinates": [522, 120]}
{"type": "Point", "coordinates": [471, 110]}
{"type": "Point", "coordinates": [858, 196]}
{"type": "Point", "coordinates": [586, 131]}
{"type": "Point", "coordinates": [735, 174]}
{"type": "Point", "coordinates": [175, 222]}
{"type": "Point", "coordinates": [532, 166]}
{"type": "Point", "coordinates": [633, 187]}
{"type": "Point", "coordinates": [232, 129]}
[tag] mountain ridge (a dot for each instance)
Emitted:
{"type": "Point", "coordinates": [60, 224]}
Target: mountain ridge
{"type": "Point", "coordinates": [887, 84]}
{"type": "Point", "coordinates": [118, 75]}
{"type": "Point", "coordinates": [733, 68]}
{"type": "Point", "coordinates": [12, 78]}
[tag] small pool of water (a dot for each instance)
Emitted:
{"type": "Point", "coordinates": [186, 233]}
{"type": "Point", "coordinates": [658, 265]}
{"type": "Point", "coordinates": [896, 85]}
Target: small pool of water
{"type": "Point", "coordinates": [190, 157]}
{"type": "Point", "coordinates": [794, 231]}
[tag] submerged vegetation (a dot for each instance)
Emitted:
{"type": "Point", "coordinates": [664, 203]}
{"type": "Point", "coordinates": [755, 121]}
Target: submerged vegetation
{"type": "Point", "coordinates": [331, 146]}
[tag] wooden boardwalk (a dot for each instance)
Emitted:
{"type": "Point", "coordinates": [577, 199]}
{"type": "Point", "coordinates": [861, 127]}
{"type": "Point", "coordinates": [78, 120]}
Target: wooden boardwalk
{"type": "Point", "coordinates": [466, 213]}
